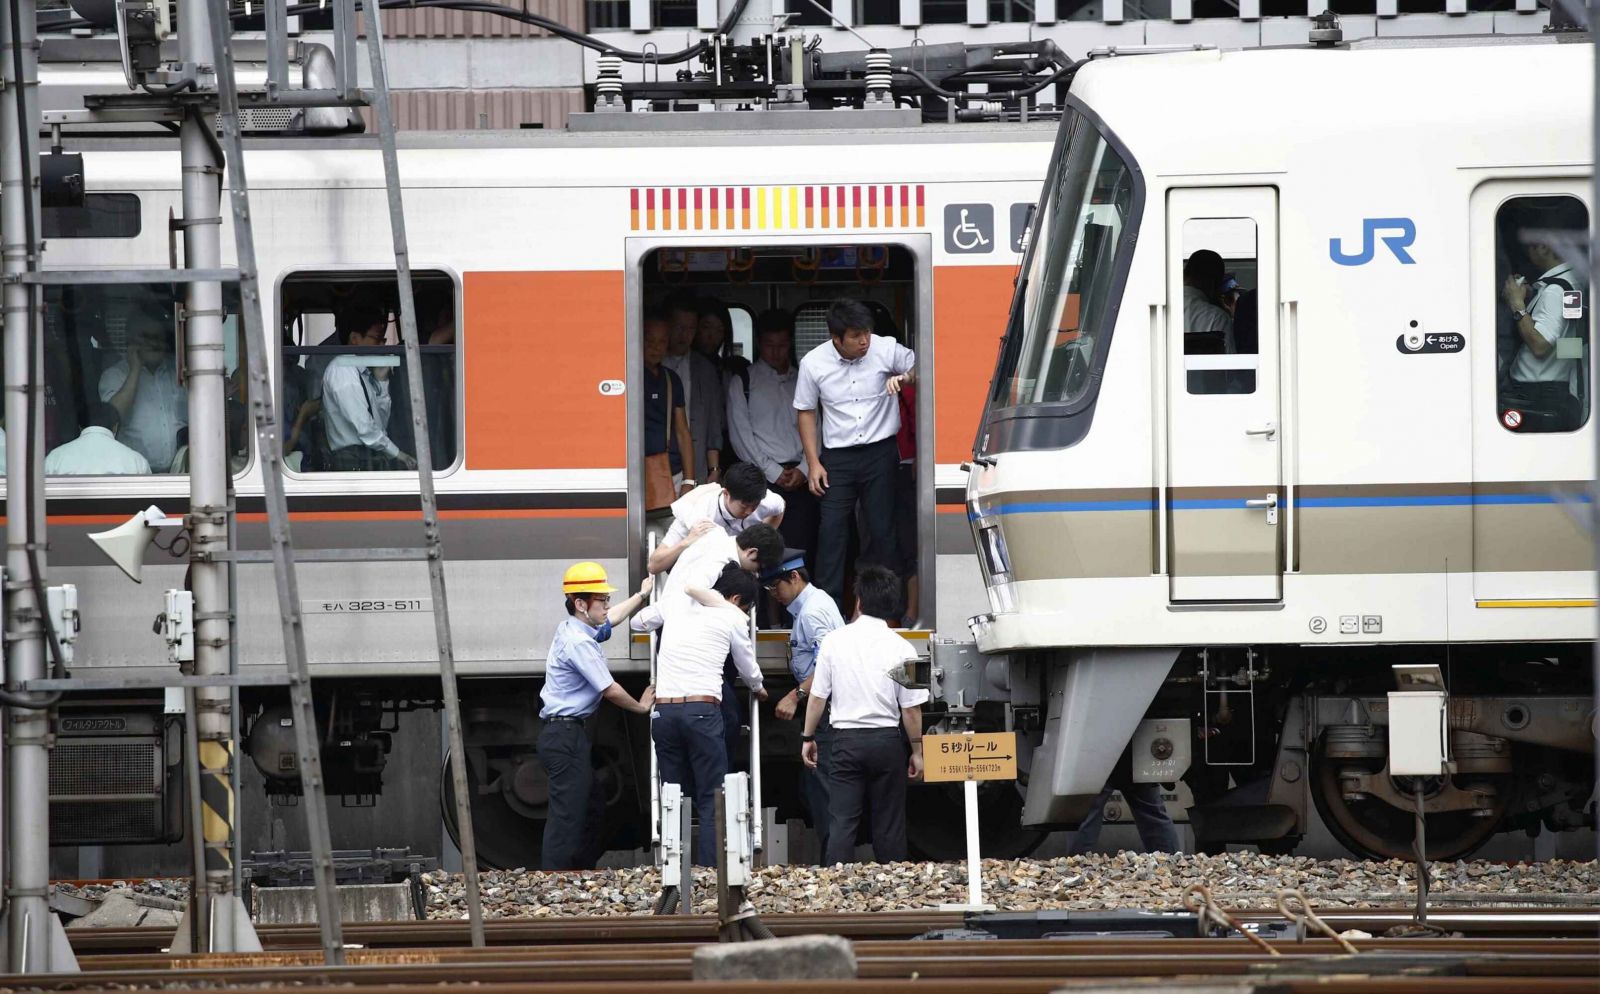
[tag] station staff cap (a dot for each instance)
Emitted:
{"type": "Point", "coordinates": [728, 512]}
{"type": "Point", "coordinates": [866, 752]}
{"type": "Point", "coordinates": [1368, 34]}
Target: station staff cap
{"type": "Point", "coordinates": [793, 559]}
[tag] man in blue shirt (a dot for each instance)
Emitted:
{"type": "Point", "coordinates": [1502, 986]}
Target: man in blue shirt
{"type": "Point", "coordinates": [815, 615]}
{"type": "Point", "coordinates": [576, 681]}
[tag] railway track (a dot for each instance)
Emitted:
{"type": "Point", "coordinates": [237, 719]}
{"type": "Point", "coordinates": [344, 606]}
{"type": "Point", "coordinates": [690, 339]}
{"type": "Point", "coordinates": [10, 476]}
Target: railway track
{"type": "Point", "coordinates": [1496, 952]}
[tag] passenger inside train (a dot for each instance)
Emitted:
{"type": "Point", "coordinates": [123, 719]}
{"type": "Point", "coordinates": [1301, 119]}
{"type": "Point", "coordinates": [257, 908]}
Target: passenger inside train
{"type": "Point", "coordinates": [346, 400]}
{"type": "Point", "coordinates": [1219, 316]}
{"type": "Point", "coordinates": [739, 324]}
{"type": "Point", "coordinates": [1542, 246]}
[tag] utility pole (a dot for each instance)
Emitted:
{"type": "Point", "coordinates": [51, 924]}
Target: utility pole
{"type": "Point", "coordinates": [29, 924]}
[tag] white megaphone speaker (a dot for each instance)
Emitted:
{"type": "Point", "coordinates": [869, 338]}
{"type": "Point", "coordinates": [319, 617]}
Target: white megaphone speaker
{"type": "Point", "coordinates": [125, 544]}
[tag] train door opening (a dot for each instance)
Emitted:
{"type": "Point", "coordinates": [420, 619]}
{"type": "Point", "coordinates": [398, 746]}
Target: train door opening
{"type": "Point", "coordinates": [746, 315]}
{"type": "Point", "coordinates": [1224, 497]}
{"type": "Point", "coordinates": [1532, 376]}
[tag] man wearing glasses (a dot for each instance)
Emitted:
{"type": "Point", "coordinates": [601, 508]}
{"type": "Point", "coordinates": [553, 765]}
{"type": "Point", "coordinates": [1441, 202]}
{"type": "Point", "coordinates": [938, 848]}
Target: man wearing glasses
{"type": "Point", "coordinates": [576, 680]}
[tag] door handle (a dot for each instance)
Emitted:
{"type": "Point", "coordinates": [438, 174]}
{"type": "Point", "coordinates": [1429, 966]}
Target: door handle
{"type": "Point", "coordinates": [1269, 503]}
{"type": "Point", "coordinates": [1270, 430]}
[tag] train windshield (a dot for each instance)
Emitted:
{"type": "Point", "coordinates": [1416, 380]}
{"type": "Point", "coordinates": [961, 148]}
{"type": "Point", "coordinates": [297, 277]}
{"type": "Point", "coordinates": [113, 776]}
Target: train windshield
{"type": "Point", "coordinates": [1085, 221]}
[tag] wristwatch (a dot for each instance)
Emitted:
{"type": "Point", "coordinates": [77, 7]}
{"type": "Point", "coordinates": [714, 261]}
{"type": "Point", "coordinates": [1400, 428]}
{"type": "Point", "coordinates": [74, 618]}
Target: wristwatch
{"type": "Point", "coordinates": [1519, 315]}
{"type": "Point", "coordinates": [801, 693]}
{"type": "Point", "coordinates": [689, 482]}
{"type": "Point", "coordinates": [808, 738]}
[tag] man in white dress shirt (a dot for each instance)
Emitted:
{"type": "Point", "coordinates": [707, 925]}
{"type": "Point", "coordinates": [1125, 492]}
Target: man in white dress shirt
{"type": "Point", "coordinates": [356, 403]}
{"type": "Point", "coordinates": [143, 386]}
{"type": "Point", "coordinates": [739, 501]}
{"type": "Point", "coordinates": [96, 451]}
{"type": "Point", "coordinates": [854, 378]}
{"type": "Point", "coordinates": [687, 722]}
{"type": "Point", "coordinates": [764, 429]}
{"type": "Point", "coordinates": [867, 709]}
{"type": "Point", "coordinates": [1545, 384]}
{"type": "Point", "coordinates": [753, 549]}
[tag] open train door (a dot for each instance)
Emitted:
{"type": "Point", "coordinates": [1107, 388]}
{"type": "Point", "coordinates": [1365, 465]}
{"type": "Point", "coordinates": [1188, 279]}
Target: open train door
{"type": "Point", "coordinates": [1224, 496]}
{"type": "Point", "coordinates": [1532, 421]}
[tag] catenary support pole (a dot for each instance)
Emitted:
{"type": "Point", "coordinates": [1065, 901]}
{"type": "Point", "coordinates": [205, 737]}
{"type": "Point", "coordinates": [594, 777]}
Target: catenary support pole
{"type": "Point", "coordinates": [26, 729]}
{"type": "Point", "coordinates": [209, 469]}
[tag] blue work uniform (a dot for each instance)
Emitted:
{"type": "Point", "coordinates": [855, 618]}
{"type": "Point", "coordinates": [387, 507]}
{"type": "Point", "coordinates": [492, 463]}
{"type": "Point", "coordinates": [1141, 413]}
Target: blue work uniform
{"type": "Point", "coordinates": [815, 615]}
{"type": "Point", "coordinates": [576, 676]}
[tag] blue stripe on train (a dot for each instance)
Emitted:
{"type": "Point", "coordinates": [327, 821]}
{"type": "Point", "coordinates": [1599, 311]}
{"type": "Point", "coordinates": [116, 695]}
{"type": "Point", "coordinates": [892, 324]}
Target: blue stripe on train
{"type": "Point", "coordinates": [1225, 503]}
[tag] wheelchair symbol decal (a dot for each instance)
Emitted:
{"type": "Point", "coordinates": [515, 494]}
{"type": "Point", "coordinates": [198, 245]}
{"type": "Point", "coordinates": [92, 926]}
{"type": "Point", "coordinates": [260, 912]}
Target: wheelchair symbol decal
{"type": "Point", "coordinates": [968, 228]}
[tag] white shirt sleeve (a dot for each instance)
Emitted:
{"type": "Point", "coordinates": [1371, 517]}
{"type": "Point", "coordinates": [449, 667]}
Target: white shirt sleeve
{"type": "Point", "coordinates": [822, 675]}
{"type": "Point", "coordinates": [901, 359]}
{"type": "Point", "coordinates": [771, 505]}
{"type": "Point", "coordinates": [342, 388]}
{"type": "Point", "coordinates": [112, 380]}
{"type": "Point", "coordinates": [677, 533]}
{"type": "Point", "coordinates": [743, 651]}
{"type": "Point", "coordinates": [1546, 313]}
{"type": "Point", "coordinates": [741, 431]}
{"type": "Point", "coordinates": [805, 389]}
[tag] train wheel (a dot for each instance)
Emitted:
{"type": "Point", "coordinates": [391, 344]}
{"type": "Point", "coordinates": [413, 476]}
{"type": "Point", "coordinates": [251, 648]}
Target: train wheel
{"type": "Point", "coordinates": [506, 840]}
{"type": "Point", "coordinates": [1371, 826]}
{"type": "Point", "coordinates": [936, 828]}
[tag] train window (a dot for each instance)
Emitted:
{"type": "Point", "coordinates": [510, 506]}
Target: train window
{"type": "Point", "coordinates": [116, 403]}
{"type": "Point", "coordinates": [1219, 307]}
{"type": "Point", "coordinates": [743, 332]}
{"type": "Point", "coordinates": [1083, 229]}
{"type": "Point", "coordinates": [346, 401]}
{"type": "Point", "coordinates": [102, 215]}
{"type": "Point", "coordinates": [1543, 325]}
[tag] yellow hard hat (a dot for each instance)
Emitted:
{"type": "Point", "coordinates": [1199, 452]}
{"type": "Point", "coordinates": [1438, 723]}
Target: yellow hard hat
{"type": "Point", "coordinates": [586, 578]}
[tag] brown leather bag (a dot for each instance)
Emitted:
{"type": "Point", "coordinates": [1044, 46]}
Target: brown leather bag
{"type": "Point", "coordinates": [659, 490]}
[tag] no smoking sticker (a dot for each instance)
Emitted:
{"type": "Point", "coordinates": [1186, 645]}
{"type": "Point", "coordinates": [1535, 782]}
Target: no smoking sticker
{"type": "Point", "coordinates": [1512, 419]}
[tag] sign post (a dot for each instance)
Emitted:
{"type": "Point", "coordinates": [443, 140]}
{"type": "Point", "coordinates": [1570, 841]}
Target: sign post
{"type": "Point", "coordinates": [970, 757]}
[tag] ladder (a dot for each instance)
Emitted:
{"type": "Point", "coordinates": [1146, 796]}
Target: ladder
{"type": "Point", "coordinates": [262, 403]}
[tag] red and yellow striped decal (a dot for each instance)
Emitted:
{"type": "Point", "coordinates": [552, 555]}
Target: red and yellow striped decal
{"type": "Point", "coordinates": [776, 208]}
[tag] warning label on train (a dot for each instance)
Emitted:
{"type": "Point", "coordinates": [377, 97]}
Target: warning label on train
{"type": "Point", "coordinates": [980, 756]}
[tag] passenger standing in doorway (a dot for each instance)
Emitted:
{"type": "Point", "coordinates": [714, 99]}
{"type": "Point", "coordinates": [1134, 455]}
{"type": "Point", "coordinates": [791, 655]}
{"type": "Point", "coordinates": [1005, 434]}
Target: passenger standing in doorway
{"type": "Point", "coordinates": [765, 431]}
{"type": "Point", "coordinates": [702, 386]}
{"type": "Point", "coordinates": [143, 386]}
{"type": "Point", "coordinates": [871, 764]}
{"type": "Point", "coordinates": [853, 377]}
{"type": "Point", "coordinates": [356, 402]}
{"type": "Point", "coordinates": [687, 724]}
{"type": "Point", "coordinates": [576, 681]}
{"type": "Point", "coordinates": [815, 615]}
{"type": "Point", "coordinates": [666, 428]}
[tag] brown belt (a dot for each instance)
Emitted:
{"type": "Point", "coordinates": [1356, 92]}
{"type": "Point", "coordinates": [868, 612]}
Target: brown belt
{"type": "Point", "coordinates": [697, 699]}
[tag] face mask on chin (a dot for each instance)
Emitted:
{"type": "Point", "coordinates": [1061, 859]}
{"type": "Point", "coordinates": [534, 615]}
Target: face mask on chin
{"type": "Point", "coordinates": [603, 632]}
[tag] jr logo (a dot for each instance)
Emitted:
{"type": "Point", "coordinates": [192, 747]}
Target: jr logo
{"type": "Point", "coordinates": [1370, 226]}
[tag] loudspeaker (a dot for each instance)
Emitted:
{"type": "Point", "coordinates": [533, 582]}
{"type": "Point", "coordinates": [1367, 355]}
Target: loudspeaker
{"type": "Point", "coordinates": [125, 544]}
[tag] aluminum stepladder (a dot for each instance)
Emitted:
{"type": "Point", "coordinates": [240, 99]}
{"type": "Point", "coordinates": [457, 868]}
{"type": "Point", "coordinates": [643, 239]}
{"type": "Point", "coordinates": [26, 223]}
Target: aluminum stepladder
{"type": "Point", "coordinates": [263, 405]}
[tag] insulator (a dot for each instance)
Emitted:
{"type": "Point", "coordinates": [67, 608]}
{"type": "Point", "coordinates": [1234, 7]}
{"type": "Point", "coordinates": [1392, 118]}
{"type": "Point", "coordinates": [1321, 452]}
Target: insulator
{"type": "Point", "coordinates": [880, 76]}
{"type": "Point", "coordinates": [608, 83]}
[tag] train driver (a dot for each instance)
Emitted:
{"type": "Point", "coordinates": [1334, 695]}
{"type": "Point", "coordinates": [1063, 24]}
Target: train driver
{"type": "Point", "coordinates": [576, 681]}
{"type": "Point", "coordinates": [871, 764]}
{"type": "Point", "coordinates": [853, 377]}
{"type": "Point", "coordinates": [1542, 379]}
{"type": "Point", "coordinates": [1207, 326]}
{"type": "Point", "coordinates": [739, 501]}
{"type": "Point", "coordinates": [356, 403]}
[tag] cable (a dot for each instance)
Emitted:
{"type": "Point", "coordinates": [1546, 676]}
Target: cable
{"type": "Point", "coordinates": [42, 600]}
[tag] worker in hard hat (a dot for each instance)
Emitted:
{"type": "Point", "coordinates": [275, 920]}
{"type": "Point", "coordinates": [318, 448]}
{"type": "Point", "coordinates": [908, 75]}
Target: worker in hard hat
{"type": "Point", "coordinates": [576, 680]}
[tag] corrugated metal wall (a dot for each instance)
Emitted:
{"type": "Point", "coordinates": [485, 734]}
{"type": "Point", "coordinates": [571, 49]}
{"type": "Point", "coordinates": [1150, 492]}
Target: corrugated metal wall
{"type": "Point", "coordinates": [467, 110]}
{"type": "Point", "coordinates": [435, 22]}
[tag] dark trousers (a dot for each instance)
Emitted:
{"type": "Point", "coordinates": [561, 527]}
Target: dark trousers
{"type": "Point", "coordinates": [733, 720]}
{"type": "Point", "coordinates": [868, 776]}
{"type": "Point", "coordinates": [691, 753]}
{"type": "Point", "coordinates": [564, 750]}
{"type": "Point", "coordinates": [814, 787]}
{"type": "Point", "coordinates": [1156, 831]}
{"type": "Point", "coordinates": [865, 474]}
{"type": "Point", "coordinates": [800, 514]}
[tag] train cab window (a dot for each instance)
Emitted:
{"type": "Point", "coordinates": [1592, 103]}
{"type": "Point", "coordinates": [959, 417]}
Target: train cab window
{"type": "Point", "coordinates": [346, 403]}
{"type": "Point", "coordinates": [116, 400]}
{"type": "Point", "coordinates": [1219, 307]}
{"type": "Point", "coordinates": [1083, 232]}
{"type": "Point", "coordinates": [1543, 324]}
{"type": "Point", "coordinates": [738, 407]}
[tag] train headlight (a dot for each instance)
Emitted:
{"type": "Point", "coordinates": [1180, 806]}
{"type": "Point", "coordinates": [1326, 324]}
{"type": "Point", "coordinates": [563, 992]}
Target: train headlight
{"type": "Point", "coordinates": [996, 559]}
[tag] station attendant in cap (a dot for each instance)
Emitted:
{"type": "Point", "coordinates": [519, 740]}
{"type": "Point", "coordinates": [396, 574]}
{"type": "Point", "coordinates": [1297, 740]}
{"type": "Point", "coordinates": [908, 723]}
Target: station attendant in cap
{"type": "Point", "coordinates": [576, 681]}
{"type": "Point", "coordinates": [815, 615]}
